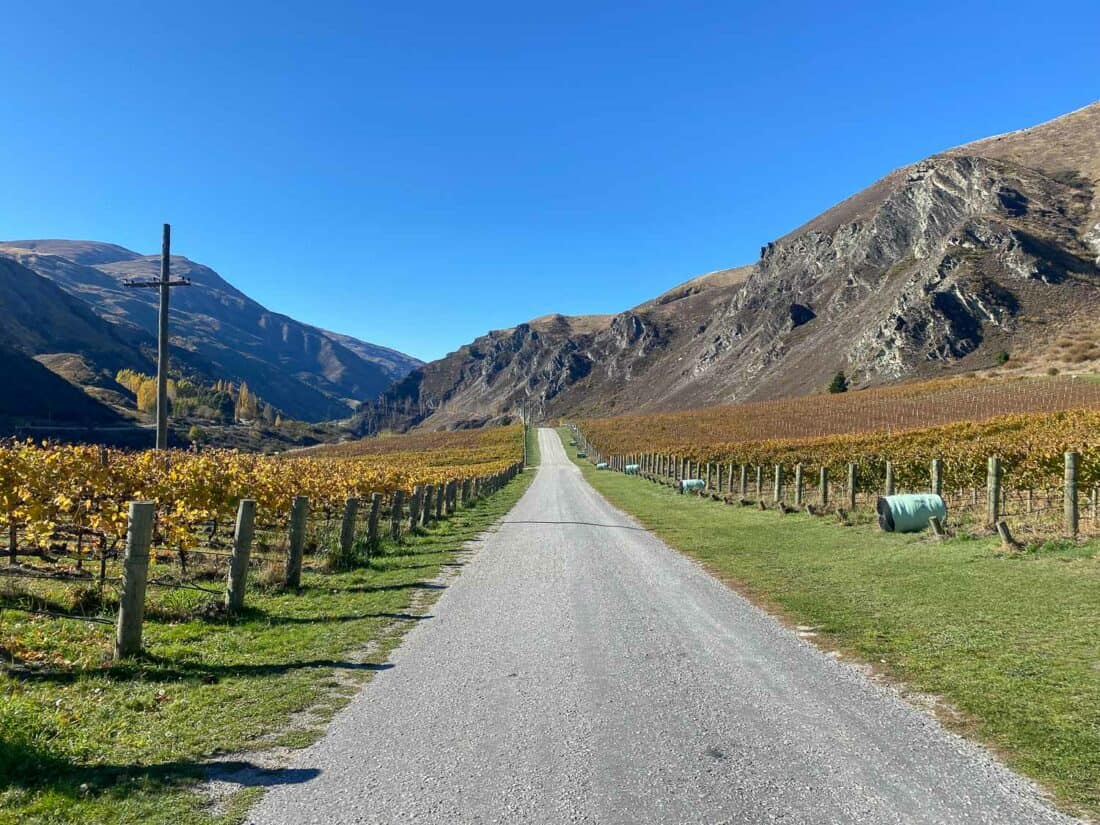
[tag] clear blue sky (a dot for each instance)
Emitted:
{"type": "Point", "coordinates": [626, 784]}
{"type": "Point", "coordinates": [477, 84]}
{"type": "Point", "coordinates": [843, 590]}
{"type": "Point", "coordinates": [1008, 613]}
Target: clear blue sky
{"type": "Point", "coordinates": [416, 174]}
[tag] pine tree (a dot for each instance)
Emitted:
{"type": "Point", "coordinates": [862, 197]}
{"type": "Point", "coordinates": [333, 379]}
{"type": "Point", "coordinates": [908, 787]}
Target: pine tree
{"type": "Point", "coordinates": [839, 383]}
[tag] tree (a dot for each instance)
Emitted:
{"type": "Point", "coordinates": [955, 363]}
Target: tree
{"type": "Point", "coordinates": [839, 383]}
{"type": "Point", "coordinates": [147, 395]}
{"type": "Point", "coordinates": [246, 404]}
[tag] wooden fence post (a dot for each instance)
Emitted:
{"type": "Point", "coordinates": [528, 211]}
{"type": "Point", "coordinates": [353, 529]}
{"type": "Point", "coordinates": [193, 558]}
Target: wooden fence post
{"type": "Point", "coordinates": [744, 480]}
{"type": "Point", "coordinates": [414, 507]}
{"type": "Point", "coordinates": [889, 478]}
{"type": "Point", "coordinates": [1071, 512]}
{"type": "Point", "coordinates": [937, 476]}
{"type": "Point", "coordinates": [778, 492]}
{"type": "Point", "coordinates": [426, 505]}
{"type": "Point", "coordinates": [993, 490]}
{"type": "Point", "coordinates": [372, 520]}
{"type": "Point", "coordinates": [347, 526]}
{"type": "Point", "coordinates": [852, 481]}
{"type": "Point", "coordinates": [135, 573]}
{"type": "Point", "coordinates": [298, 513]}
{"type": "Point", "coordinates": [439, 492]}
{"type": "Point", "coordinates": [396, 511]}
{"type": "Point", "coordinates": [238, 561]}
{"type": "Point", "coordinates": [823, 484]}
{"type": "Point", "coordinates": [798, 485]}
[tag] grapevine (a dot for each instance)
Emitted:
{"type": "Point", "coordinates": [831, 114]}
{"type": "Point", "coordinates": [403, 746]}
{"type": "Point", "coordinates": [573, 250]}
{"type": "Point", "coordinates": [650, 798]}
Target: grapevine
{"type": "Point", "coordinates": [46, 489]}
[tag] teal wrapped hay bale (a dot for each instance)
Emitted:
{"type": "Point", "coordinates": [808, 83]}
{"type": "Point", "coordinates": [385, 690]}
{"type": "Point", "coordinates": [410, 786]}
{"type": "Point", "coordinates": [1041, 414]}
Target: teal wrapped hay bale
{"type": "Point", "coordinates": [691, 485]}
{"type": "Point", "coordinates": [582, 454]}
{"type": "Point", "coordinates": [910, 512]}
{"type": "Point", "coordinates": [602, 465]}
{"type": "Point", "coordinates": [632, 469]}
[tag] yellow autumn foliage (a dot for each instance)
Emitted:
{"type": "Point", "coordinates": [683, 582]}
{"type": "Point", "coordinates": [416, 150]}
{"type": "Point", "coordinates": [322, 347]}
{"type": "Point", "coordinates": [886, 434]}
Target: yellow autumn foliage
{"type": "Point", "coordinates": [45, 486]}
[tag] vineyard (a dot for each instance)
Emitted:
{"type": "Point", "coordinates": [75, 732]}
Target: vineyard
{"type": "Point", "coordinates": [848, 438]}
{"type": "Point", "coordinates": [64, 511]}
{"type": "Point", "coordinates": [907, 406]}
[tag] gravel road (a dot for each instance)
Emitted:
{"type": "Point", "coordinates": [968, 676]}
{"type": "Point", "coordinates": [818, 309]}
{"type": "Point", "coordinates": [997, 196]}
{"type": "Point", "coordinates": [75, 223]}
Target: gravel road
{"type": "Point", "coordinates": [581, 671]}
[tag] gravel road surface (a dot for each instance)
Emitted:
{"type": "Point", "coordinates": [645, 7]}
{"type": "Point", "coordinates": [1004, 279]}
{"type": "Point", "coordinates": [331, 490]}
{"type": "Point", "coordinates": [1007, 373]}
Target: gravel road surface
{"type": "Point", "coordinates": [581, 671]}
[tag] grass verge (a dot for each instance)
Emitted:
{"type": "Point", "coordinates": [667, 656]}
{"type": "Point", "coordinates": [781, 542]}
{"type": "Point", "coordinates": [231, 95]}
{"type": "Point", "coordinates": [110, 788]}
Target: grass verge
{"type": "Point", "coordinates": [128, 742]}
{"type": "Point", "coordinates": [1010, 640]}
{"type": "Point", "coordinates": [532, 437]}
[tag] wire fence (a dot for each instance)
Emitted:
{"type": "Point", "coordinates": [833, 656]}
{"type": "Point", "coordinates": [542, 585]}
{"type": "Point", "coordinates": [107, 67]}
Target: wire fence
{"type": "Point", "coordinates": [84, 576]}
{"type": "Point", "coordinates": [1064, 508]}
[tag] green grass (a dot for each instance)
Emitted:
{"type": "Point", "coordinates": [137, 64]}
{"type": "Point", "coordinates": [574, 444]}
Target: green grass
{"type": "Point", "coordinates": [1010, 640]}
{"type": "Point", "coordinates": [533, 446]}
{"type": "Point", "coordinates": [126, 742]}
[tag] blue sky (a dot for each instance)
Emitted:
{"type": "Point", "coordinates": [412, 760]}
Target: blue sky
{"type": "Point", "coordinates": [416, 174]}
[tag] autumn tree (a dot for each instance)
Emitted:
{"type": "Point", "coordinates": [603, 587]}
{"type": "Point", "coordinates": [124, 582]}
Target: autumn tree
{"type": "Point", "coordinates": [147, 395]}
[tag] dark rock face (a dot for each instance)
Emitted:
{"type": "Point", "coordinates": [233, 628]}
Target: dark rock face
{"type": "Point", "coordinates": [801, 315]}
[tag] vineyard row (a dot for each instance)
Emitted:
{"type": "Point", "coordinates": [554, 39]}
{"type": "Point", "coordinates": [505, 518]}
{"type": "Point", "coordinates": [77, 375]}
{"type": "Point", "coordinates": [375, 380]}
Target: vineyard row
{"type": "Point", "coordinates": [763, 472]}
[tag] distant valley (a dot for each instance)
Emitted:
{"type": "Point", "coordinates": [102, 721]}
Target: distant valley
{"type": "Point", "coordinates": [980, 258]}
{"type": "Point", "coordinates": [68, 309]}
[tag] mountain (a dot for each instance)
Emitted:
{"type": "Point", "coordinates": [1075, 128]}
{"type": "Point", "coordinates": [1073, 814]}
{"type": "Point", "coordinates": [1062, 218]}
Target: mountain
{"type": "Point", "coordinates": [45, 396]}
{"type": "Point", "coordinates": [218, 332]}
{"type": "Point", "coordinates": [41, 318]}
{"type": "Point", "coordinates": [984, 252]}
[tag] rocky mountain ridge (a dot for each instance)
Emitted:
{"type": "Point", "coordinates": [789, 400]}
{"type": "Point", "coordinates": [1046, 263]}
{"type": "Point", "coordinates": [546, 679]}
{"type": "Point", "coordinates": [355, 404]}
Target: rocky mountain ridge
{"type": "Point", "coordinates": [981, 253]}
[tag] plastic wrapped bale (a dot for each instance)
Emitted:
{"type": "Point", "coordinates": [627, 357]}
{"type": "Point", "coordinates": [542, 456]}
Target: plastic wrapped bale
{"type": "Point", "coordinates": [632, 469]}
{"type": "Point", "coordinates": [603, 465]}
{"type": "Point", "coordinates": [582, 454]}
{"type": "Point", "coordinates": [691, 485]}
{"type": "Point", "coordinates": [910, 512]}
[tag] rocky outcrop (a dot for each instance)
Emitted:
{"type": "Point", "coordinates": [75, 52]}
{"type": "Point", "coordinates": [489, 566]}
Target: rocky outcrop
{"type": "Point", "coordinates": [938, 267]}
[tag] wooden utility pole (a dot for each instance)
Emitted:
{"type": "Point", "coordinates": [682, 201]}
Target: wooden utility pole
{"type": "Point", "coordinates": [162, 340]}
{"type": "Point", "coordinates": [164, 284]}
